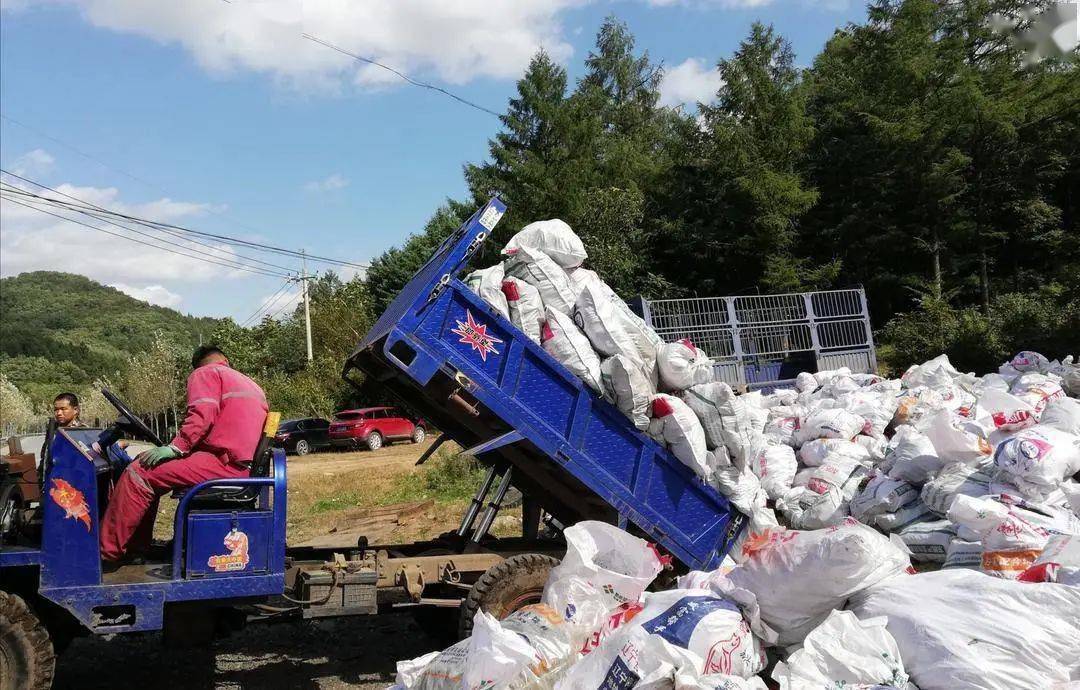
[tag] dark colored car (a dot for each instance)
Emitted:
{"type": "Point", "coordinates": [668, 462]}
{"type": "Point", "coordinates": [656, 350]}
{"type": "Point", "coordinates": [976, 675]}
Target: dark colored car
{"type": "Point", "coordinates": [374, 426]}
{"type": "Point", "coordinates": [301, 436]}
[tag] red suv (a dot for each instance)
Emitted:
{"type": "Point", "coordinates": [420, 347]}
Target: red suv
{"type": "Point", "coordinates": [373, 426]}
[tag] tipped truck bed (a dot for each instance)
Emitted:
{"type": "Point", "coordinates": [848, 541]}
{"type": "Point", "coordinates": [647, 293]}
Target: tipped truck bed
{"type": "Point", "coordinates": [480, 380]}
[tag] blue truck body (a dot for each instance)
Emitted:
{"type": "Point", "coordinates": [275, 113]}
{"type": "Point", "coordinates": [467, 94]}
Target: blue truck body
{"type": "Point", "coordinates": [452, 358]}
{"type": "Point", "coordinates": [456, 360]}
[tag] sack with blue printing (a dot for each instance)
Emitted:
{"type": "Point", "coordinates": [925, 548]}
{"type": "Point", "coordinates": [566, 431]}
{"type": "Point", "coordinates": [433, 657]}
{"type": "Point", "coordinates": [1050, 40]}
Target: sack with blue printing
{"type": "Point", "coordinates": [690, 629]}
{"type": "Point", "coordinates": [1038, 459]}
{"type": "Point", "coordinates": [626, 660]}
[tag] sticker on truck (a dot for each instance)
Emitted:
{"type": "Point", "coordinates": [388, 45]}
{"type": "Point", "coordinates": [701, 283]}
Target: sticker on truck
{"type": "Point", "coordinates": [474, 334]}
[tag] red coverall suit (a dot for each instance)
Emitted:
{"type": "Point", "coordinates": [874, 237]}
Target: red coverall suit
{"type": "Point", "coordinates": [226, 412]}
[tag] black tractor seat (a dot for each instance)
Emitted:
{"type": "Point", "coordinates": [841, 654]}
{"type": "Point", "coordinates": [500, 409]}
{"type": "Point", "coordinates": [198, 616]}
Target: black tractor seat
{"type": "Point", "coordinates": [226, 497]}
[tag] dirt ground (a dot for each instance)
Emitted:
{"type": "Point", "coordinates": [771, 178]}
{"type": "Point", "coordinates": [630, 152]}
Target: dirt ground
{"type": "Point", "coordinates": [355, 653]}
{"type": "Point", "coordinates": [324, 490]}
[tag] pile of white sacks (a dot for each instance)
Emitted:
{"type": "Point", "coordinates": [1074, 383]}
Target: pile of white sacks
{"type": "Point", "coordinates": [811, 609]}
{"type": "Point", "coordinates": [847, 479]}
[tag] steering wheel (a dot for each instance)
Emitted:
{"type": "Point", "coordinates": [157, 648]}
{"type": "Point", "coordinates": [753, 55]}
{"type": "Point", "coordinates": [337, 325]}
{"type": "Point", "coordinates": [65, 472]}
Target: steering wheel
{"type": "Point", "coordinates": [130, 422]}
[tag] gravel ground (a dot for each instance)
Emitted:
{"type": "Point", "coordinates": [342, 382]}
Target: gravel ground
{"type": "Point", "coordinates": [358, 652]}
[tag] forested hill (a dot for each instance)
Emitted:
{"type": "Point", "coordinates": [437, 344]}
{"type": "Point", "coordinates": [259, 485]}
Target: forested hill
{"type": "Point", "coordinates": [60, 330]}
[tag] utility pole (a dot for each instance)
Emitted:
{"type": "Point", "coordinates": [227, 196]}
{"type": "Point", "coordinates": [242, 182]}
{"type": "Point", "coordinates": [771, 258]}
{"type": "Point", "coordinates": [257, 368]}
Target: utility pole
{"type": "Point", "coordinates": [307, 303]}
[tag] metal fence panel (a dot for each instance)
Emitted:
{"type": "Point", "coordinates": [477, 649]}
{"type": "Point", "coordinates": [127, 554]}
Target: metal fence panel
{"type": "Point", "coordinates": [752, 336]}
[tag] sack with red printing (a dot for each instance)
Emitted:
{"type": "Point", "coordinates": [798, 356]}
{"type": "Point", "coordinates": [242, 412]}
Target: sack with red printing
{"type": "Point", "coordinates": [487, 282]}
{"type": "Point", "coordinates": [552, 237]}
{"type": "Point", "coordinates": [676, 425]}
{"type": "Point", "coordinates": [1059, 562]}
{"type": "Point", "coordinates": [1028, 360]}
{"type": "Point", "coordinates": [1000, 410]}
{"type": "Point", "coordinates": [1010, 543]}
{"type": "Point", "coordinates": [823, 500]}
{"type": "Point", "coordinates": [782, 431]}
{"type": "Point", "coordinates": [775, 467]}
{"type": "Point", "coordinates": [526, 307]}
{"type": "Point", "coordinates": [1037, 390]}
{"type": "Point", "coordinates": [569, 346]}
{"type": "Point", "coordinates": [682, 365]}
{"type": "Point", "coordinates": [1037, 459]}
{"type": "Point", "coordinates": [799, 577]}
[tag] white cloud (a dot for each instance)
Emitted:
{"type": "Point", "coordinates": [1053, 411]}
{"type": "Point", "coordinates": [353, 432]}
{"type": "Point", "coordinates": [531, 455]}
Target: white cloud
{"type": "Point", "coordinates": [34, 241]}
{"type": "Point", "coordinates": [329, 184]}
{"type": "Point", "coordinates": [691, 81]}
{"type": "Point", "coordinates": [154, 294]}
{"type": "Point", "coordinates": [36, 162]}
{"type": "Point", "coordinates": [452, 40]}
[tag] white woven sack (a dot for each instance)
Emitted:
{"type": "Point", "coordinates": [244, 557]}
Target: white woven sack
{"type": "Point", "coordinates": [569, 346]}
{"type": "Point", "coordinates": [552, 237]}
{"type": "Point", "coordinates": [537, 269]}
{"type": "Point", "coordinates": [526, 307]}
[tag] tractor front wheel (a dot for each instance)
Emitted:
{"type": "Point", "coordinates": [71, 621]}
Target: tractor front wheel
{"type": "Point", "coordinates": [27, 659]}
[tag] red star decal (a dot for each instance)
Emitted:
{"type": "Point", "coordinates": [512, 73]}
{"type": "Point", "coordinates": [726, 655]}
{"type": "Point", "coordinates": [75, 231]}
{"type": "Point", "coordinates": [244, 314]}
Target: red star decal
{"type": "Point", "coordinates": [476, 335]}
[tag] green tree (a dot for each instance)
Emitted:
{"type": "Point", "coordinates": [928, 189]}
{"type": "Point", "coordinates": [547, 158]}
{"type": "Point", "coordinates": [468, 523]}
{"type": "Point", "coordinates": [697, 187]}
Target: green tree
{"type": "Point", "coordinates": [741, 190]}
{"type": "Point", "coordinates": [16, 412]}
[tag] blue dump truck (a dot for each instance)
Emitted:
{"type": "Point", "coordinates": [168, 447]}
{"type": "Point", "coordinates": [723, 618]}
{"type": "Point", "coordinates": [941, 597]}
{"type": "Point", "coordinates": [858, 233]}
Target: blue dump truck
{"type": "Point", "coordinates": [451, 358]}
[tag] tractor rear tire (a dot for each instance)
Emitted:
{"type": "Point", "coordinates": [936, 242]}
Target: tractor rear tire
{"type": "Point", "coordinates": [27, 661]}
{"type": "Point", "coordinates": [506, 587]}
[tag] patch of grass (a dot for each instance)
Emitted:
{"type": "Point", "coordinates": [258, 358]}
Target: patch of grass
{"type": "Point", "coordinates": [449, 477]}
{"type": "Point", "coordinates": [348, 499]}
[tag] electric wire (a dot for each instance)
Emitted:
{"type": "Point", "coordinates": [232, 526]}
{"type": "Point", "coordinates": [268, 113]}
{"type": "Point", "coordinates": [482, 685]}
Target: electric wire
{"type": "Point", "coordinates": [224, 238]}
{"type": "Point", "coordinates": [222, 261]}
{"type": "Point", "coordinates": [268, 304]}
{"type": "Point", "coordinates": [143, 242]}
{"type": "Point", "coordinates": [402, 75]}
{"type": "Point", "coordinates": [100, 213]}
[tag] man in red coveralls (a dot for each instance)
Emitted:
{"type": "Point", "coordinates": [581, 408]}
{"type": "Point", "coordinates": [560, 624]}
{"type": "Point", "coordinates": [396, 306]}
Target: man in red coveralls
{"type": "Point", "coordinates": [226, 412]}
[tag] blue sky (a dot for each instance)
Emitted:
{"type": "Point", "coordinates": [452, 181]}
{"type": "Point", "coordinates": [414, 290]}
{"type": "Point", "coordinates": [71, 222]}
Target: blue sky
{"type": "Point", "coordinates": [218, 116]}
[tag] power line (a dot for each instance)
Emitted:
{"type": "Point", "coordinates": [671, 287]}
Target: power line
{"type": "Point", "coordinates": [288, 303]}
{"type": "Point", "coordinates": [201, 233]}
{"type": "Point", "coordinates": [270, 302]}
{"type": "Point", "coordinates": [83, 208]}
{"type": "Point", "coordinates": [402, 75]}
{"type": "Point", "coordinates": [215, 259]}
{"type": "Point", "coordinates": [123, 172]}
{"type": "Point", "coordinates": [148, 244]}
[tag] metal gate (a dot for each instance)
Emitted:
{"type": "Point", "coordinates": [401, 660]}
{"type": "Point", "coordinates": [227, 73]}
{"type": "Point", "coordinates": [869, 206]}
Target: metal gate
{"type": "Point", "coordinates": [763, 341]}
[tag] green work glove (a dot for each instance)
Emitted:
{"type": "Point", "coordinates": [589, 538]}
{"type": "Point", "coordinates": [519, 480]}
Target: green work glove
{"type": "Point", "coordinates": [156, 456]}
